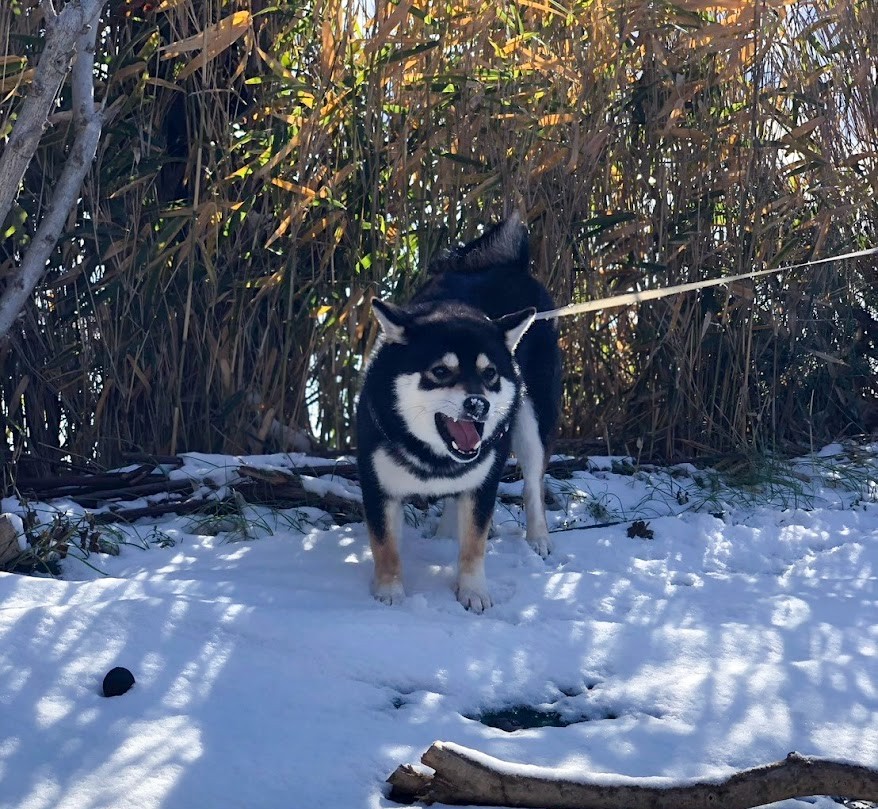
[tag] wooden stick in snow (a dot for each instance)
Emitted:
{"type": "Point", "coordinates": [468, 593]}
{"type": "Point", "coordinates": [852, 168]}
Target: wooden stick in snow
{"type": "Point", "coordinates": [464, 776]}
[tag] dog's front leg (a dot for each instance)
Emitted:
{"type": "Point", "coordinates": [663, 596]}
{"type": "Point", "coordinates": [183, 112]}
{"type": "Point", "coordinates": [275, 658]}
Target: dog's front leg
{"type": "Point", "coordinates": [385, 529]}
{"type": "Point", "coordinates": [474, 521]}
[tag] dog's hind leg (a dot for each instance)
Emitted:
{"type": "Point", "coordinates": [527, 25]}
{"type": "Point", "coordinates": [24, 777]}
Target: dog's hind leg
{"type": "Point", "coordinates": [448, 522]}
{"type": "Point", "coordinates": [531, 455]}
{"type": "Point", "coordinates": [384, 535]}
{"type": "Point", "coordinates": [473, 525]}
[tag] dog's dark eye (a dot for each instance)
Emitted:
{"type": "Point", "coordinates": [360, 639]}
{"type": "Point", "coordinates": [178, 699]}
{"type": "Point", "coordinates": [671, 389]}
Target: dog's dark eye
{"type": "Point", "coordinates": [441, 373]}
{"type": "Point", "coordinates": [490, 375]}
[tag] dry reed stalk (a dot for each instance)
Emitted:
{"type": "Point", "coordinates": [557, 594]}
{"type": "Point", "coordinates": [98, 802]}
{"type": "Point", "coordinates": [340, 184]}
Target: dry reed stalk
{"type": "Point", "coordinates": [270, 169]}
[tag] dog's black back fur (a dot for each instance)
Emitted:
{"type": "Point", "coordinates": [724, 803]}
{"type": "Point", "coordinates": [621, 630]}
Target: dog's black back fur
{"type": "Point", "coordinates": [493, 274]}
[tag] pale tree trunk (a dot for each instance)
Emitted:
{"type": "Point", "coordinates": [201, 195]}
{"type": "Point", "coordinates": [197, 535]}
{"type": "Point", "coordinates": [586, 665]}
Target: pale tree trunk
{"type": "Point", "coordinates": [71, 36]}
{"type": "Point", "coordinates": [463, 776]}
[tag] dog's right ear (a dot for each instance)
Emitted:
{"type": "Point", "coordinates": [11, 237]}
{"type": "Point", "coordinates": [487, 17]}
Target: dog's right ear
{"type": "Point", "coordinates": [393, 320]}
{"type": "Point", "coordinates": [514, 325]}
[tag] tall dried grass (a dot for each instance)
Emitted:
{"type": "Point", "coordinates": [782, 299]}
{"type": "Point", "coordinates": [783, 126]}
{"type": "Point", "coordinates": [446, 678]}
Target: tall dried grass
{"type": "Point", "coordinates": [270, 167]}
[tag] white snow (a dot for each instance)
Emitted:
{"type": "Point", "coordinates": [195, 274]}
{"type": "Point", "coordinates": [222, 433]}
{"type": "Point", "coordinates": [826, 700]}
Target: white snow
{"type": "Point", "coordinates": [268, 677]}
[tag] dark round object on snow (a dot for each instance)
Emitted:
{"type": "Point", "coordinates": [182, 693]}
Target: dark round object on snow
{"type": "Point", "coordinates": [117, 681]}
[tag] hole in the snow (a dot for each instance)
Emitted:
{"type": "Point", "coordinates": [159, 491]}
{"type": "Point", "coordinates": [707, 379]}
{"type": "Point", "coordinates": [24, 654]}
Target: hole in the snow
{"type": "Point", "coordinates": [521, 717]}
{"type": "Point", "coordinates": [525, 717]}
{"type": "Point", "coordinates": [575, 690]}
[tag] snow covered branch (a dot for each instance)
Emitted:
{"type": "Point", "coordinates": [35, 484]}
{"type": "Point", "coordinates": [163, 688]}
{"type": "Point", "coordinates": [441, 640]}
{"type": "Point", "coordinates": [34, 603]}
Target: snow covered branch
{"type": "Point", "coordinates": [71, 35]}
{"type": "Point", "coordinates": [464, 776]}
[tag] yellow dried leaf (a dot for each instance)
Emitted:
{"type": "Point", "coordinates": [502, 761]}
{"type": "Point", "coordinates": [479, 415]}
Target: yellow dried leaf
{"type": "Point", "coordinates": [806, 128]}
{"type": "Point", "coordinates": [714, 6]}
{"type": "Point", "coordinates": [321, 225]}
{"type": "Point", "coordinates": [114, 249]}
{"type": "Point", "coordinates": [688, 134]}
{"type": "Point", "coordinates": [213, 41]}
{"type": "Point", "coordinates": [387, 27]}
{"type": "Point", "coordinates": [168, 85]}
{"type": "Point", "coordinates": [16, 79]}
{"type": "Point", "coordinates": [556, 118]}
{"type": "Point", "coordinates": [208, 214]}
{"type": "Point", "coordinates": [546, 8]}
{"type": "Point", "coordinates": [235, 24]}
{"type": "Point", "coordinates": [129, 70]}
{"type": "Point", "coordinates": [281, 155]}
{"type": "Point", "coordinates": [120, 192]}
{"type": "Point", "coordinates": [309, 193]}
{"type": "Point", "coordinates": [550, 162]}
{"type": "Point", "coordinates": [281, 229]}
{"type": "Point", "coordinates": [274, 64]}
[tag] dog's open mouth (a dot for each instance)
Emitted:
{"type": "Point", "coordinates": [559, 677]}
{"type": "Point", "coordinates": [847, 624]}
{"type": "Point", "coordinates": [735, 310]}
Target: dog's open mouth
{"type": "Point", "coordinates": [463, 438]}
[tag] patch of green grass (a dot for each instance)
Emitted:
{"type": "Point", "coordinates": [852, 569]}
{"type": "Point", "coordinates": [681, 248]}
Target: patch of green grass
{"type": "Point", "coordinates": [65, 536]}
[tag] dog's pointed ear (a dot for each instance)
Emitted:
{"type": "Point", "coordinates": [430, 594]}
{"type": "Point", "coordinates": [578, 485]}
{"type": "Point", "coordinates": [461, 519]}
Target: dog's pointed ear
{"type": "Point", "coordinates": [393, 320]}
{"type": "Point", "coordinates": [515, 325]}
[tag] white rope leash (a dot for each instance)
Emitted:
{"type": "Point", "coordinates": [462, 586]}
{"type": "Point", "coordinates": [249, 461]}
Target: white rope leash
{"type": "Point", "coordinates": [651, 294]}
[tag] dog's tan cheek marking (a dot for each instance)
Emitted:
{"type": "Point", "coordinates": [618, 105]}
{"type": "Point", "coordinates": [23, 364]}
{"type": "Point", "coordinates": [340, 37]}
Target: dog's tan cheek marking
{"type": "Point", "coordinates": [473, 541]}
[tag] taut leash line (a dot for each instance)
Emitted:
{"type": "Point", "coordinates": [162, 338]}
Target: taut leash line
{"type": "Point", "coordinates": [651, 294]}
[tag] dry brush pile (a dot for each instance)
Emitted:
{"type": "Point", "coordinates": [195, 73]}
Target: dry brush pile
{"type": "Point", "coordinates": [266, 168]}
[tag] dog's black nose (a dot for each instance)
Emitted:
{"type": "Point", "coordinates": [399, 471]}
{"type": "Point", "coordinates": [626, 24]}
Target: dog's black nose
{"type": "Point", "coordinates": [476, 407]}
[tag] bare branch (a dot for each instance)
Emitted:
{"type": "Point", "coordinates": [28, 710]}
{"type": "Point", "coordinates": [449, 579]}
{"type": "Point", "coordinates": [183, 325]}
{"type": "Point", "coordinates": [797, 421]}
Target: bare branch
{"type": "Point", "coordinates": [465, 776]}
{"type": "Point", "coordinates": [73, 31]}
{"type": "Point", "coordinates": [64, 30]}
{"type": "Point", "coordinates": [82, 82]}
{"type": "Point", "coordinates": [21, 282]}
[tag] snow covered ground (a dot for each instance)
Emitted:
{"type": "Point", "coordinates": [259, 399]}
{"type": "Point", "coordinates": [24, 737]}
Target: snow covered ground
{"type": "Point", "coordinates": [746, 628]}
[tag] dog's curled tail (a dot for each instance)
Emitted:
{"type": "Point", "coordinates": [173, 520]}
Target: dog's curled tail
{"type": "Point", "coordinates": [504, 246]}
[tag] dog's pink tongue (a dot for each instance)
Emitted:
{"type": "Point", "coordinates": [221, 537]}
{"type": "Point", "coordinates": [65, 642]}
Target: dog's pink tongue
{"type": "Point", "coordinates": [464, 433]}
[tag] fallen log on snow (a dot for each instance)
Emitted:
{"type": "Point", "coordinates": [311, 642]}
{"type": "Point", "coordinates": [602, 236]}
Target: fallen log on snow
{"type": "Point", "coordinates": [274, 487]}
{"type": "Point", "coordinates": [463, 776]}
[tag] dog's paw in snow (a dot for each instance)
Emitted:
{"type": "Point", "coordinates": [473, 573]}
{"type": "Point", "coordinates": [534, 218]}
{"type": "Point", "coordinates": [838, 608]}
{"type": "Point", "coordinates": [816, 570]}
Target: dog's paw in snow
{"type": "Point", "coordinates": [542, 546]}
{"type": "Point", "coordinates": [473, 594]}
{"type": "Point", "coordinates": [390, 592]}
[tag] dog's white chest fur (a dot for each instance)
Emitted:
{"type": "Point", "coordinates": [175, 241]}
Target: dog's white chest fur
{"type": "Point", "coordinates": [398, 482]}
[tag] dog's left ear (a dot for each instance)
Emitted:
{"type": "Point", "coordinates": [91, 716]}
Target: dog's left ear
{"type": "Point", "coordinates": [393, 320]}
{"type": "Point", "coordinates": [515, 325]}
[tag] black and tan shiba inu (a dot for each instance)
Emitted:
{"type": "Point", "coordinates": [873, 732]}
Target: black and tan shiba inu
{"type": "Point", "coordinates": [459, 377]}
